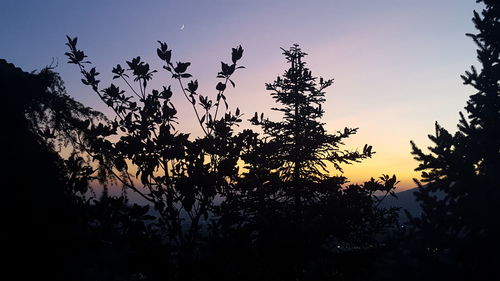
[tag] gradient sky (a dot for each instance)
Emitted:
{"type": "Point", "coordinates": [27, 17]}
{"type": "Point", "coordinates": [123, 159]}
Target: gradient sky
{"type": "Point", "coordinates": [396, 63]}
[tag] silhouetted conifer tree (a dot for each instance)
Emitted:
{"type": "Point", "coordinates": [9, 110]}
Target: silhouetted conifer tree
{"type": "Point", "coordinates": [460, 224]}
{"type": "Point", "coordinates": [301, 220]}
{"type": "Point", "coordinates": [302, 146]}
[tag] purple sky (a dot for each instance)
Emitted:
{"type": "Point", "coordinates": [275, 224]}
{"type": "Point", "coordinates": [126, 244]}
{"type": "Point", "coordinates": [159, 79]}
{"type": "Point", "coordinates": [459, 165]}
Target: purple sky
{"type": "Point", "coordinates": [396, 63]}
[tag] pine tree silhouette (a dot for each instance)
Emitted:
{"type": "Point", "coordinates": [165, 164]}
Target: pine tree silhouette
{"type": "Point", "coordinates": [460, 222]}
{"type": "Point", "coordinates": [302, 146]}
{"type": "Point", "coordinates": [296, 214]}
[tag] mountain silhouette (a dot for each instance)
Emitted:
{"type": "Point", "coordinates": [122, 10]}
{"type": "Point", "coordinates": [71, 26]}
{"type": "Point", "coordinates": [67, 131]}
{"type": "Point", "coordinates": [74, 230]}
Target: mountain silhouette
{"type": "Point", "coordinates": [406, 200]}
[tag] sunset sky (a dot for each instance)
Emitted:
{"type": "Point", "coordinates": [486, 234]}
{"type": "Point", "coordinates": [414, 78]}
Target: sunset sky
{"type": "Point", "coordinates": [396, 63]}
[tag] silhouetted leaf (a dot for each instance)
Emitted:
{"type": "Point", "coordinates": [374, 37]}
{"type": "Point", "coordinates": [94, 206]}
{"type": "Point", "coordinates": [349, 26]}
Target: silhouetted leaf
{"type": "Point", "coordinates": [220, 86]}
{"type": "Point", "coordinates": [181, 67]}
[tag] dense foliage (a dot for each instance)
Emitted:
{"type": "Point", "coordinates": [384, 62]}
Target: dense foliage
{"type": "Point", "coordinates": [231, 203]}
{"type": "Point", "coordinates": [204, 203]}
{"type": "Point", "coordinates": [55, 227]}
{"type": "Point", "coordinates": [459, 228]}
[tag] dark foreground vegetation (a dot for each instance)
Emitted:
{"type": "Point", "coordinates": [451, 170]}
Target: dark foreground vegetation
{"type": "Point", "coordinates": [234, 204]}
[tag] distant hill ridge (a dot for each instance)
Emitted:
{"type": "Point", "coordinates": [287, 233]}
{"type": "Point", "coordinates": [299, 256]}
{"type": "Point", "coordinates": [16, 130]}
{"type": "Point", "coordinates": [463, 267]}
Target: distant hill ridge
{"type": "Point", "coordinates": [405, 200]}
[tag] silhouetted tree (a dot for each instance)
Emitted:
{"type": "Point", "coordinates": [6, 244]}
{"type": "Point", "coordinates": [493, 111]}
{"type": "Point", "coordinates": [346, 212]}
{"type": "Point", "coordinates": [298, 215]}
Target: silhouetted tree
{"type": "Point", "coordinates": [180, 177]}
{"type": "Point", "coordinates": [302, 147]}
{"type": "Point", "coordinates": [39, 210]}
{"type": "Point", "coordinates": [298, 218]}
{"type": "Point", "coordinates": [53, 225]}
{"type": "Point", "coordinates": [460, 225]}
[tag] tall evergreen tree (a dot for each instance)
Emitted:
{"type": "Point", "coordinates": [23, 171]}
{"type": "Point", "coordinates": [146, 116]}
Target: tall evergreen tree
{"type": "Point", "coordinates": [301, 220]}
{"type": "Point", "coordinates": [461, 197]}
{"type": "Point", "coordinates": [302, 146]}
